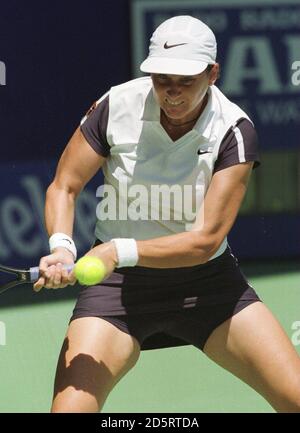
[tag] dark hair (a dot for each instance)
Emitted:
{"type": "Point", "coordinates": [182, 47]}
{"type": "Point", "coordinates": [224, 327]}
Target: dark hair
{"type": "Point", "coordinates": [209, 68]}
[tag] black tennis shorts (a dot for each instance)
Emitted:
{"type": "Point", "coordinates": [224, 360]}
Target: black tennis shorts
{"type": "Point", "coordinates": [169, 307]}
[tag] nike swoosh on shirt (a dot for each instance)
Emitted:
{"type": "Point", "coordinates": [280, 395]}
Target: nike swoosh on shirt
{"type": "Point", "coordinates": [201, 152]}
{"type": "Point", "coordinates": [166, 46]}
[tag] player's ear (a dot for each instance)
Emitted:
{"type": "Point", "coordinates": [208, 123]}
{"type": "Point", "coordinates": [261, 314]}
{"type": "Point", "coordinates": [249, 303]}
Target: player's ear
{"type": "Point", "coordinates": [214, 74]}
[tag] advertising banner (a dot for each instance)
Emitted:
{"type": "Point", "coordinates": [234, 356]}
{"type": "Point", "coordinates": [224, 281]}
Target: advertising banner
{"type": "Point", "coordinates": [258, 51]}
{"type": "Point", "coordinates": [23, 238]}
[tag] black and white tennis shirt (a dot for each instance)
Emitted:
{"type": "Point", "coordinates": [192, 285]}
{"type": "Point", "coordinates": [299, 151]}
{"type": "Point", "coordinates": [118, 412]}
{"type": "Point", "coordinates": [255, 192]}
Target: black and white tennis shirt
{"type": "Point", "coordinates": [146, 172]}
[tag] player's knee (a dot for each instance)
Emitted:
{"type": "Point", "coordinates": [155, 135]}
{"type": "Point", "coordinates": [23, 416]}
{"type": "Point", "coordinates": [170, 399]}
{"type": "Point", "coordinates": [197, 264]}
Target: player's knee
{"type": "Point", "coordinates": [76, 404]}
{"type": "Point", "coordinates": [297, 401]}
{"type": "Point", "coordinates": [296, 396]}
{"type": "Point", "coordinates": [290, 403]}
{"type": "Point", "coordinates": [69, 408]}
{"type": "Point", "coordinates": [292, 406]}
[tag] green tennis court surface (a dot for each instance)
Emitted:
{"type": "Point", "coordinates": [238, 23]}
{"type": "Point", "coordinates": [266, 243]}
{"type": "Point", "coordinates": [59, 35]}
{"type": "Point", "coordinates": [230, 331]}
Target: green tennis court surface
{"type": "Point", "coordinates": [32, 327]}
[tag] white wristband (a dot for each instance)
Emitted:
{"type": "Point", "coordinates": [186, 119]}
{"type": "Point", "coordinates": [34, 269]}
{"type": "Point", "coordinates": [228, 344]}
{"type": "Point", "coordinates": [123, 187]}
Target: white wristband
{"type": "Point", "coordinates": [127, 252]}
{"type": "Point", "coordinates": [62, 240]}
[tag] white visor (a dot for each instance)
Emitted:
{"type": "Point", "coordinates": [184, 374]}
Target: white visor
{"type": "Point", "coordinates": [158, 65]}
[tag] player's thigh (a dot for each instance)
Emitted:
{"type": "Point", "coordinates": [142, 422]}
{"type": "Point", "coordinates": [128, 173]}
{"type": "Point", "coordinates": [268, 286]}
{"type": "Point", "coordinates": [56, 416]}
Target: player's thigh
{"type": "Point", "coordinates": [253, 346]}
{"type": "Point", "coordinates": [94, 356]}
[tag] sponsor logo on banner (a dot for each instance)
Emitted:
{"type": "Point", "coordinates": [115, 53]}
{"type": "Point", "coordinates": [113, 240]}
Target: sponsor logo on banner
{"type": "Point", "coordinates": [258, 51]}
{"type": "Point", "coordinates": [23, 237]}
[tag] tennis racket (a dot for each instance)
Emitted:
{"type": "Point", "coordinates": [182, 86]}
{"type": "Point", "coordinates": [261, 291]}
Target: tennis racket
{"type": "Point", "coordinates": [22, 276]}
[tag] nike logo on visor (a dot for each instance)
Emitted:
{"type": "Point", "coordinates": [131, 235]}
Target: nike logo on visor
{"type": "Point", "coordinates": [166, 46]}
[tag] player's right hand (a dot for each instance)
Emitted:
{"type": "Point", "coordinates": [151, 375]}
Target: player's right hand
{"type": "Point", "coordinates": [52, 273]}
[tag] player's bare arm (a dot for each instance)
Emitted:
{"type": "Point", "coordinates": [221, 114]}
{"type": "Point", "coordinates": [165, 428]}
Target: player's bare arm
{"type": "Point", "coordinates": [77, 165]}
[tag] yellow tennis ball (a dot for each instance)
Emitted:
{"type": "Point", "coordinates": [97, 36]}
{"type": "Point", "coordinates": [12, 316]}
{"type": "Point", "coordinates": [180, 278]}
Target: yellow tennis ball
{"type": "Point", "coordinates": [89, 270]}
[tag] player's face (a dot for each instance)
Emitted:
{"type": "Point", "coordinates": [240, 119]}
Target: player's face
{"type": "Point", "coordinates": [179, 96]}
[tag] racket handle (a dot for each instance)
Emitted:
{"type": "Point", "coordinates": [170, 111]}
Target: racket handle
{"type": "Point", "coordinates": [35, 272]}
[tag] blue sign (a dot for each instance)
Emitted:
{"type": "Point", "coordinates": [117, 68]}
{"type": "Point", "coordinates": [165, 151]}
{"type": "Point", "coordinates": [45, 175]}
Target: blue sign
{"type": "Point", "coordinates": [23, 237]}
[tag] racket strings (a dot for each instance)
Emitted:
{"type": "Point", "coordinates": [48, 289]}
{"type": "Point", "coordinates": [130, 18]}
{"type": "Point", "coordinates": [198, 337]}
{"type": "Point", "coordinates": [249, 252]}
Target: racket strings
{"type": "Point", "coordinates": [6, 277]}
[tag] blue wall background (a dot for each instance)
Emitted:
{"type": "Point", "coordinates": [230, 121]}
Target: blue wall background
{"type": "Point", "coordinates": [60, 57]}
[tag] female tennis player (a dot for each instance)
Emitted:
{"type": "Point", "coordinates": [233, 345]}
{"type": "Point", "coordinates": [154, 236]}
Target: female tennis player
{"type": "Point", "coordinates": [176, 156]}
